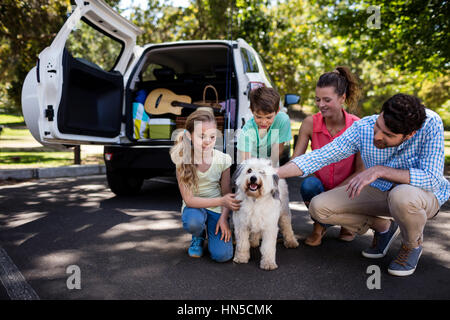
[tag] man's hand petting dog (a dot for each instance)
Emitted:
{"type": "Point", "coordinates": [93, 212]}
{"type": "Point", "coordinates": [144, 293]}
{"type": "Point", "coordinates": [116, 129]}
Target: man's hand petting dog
{"type": "Point", "coordinates": [231, 202]}
{"type": "Point", "coordinates": [361, 180]}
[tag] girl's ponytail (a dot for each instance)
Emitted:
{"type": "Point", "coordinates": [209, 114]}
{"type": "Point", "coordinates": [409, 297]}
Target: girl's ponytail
{"type": "Point", "coordinates": [182, 154]}
{"type": "Point", "coordinates": [344, 81]}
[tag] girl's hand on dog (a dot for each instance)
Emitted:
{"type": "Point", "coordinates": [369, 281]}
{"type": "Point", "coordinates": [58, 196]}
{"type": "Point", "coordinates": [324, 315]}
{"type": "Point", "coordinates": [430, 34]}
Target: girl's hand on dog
{"type": "Point", "coordinates": [224, 227]}
{"type": "Point", "coordinates": [230, 202]}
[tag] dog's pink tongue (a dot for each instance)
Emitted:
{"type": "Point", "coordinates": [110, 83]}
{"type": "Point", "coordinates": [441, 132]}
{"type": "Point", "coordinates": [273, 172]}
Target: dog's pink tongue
{"type": "Point", "coordinates": [254, 186]}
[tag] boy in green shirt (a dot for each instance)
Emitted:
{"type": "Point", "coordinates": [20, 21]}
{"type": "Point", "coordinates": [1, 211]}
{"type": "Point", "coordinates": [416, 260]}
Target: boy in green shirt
{"type": "Point", "coordinates": [264, 135]}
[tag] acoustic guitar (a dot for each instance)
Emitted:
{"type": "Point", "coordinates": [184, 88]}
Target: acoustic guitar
{"type": "Point", "coordinates": [161, 101]}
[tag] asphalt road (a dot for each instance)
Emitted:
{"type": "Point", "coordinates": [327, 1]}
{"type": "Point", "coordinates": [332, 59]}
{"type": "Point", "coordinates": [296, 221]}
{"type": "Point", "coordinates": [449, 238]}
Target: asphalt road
{"type": "Point", "coordinates": [135, 248]}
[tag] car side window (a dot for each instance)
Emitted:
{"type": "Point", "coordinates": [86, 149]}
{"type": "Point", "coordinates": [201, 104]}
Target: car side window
{"type": "Point", "coordinates": [249, 61]}
{"type": "Point", "coordinates": [267, 73]}
{"type": "Point", "coordinates": [90, 45]}
{"type": "Point", "coordinates": [148, 73]}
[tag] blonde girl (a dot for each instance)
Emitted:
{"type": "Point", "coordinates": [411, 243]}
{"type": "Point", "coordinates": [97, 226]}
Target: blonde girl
{"type": "Point", "coordinates": [203, 175]}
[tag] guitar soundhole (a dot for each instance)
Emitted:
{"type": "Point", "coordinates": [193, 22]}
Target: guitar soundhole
{"type": "Point", "coordinates": [158, 101]}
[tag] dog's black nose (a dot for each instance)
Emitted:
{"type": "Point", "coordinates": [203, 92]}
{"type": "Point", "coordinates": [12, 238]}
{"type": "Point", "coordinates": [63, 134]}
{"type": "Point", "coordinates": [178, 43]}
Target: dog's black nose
{"type": "Point", "coordinates": [253, 179]}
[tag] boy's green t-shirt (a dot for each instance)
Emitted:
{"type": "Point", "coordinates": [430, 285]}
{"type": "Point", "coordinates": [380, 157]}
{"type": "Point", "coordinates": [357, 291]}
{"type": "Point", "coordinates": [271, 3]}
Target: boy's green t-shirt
{"type": "Point", "coordinates": [249, 139]}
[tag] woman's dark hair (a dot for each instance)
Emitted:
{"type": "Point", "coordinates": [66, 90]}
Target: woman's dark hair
{"type": "Point", "coordinates": [343, 81]}
{"type": "Point", "coordinates": [403, 113]}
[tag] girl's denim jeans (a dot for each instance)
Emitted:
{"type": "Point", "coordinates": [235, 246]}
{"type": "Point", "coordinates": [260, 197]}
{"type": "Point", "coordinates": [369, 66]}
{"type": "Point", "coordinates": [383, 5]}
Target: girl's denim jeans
{"type": "Point", "coordinates": [195, 221]}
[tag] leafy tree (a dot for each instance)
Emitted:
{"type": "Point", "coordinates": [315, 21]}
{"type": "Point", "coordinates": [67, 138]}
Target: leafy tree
{"type": "Point", "coordinates": [298, 40]}
{"type": "Point", "coordinates": [26, 28]}
{"type": "Point", "coordinates": [160, 21]}
{"type": "Point", "coordinates": [412, 35]}
{"type": "Point", "coordinates": [323, 34]}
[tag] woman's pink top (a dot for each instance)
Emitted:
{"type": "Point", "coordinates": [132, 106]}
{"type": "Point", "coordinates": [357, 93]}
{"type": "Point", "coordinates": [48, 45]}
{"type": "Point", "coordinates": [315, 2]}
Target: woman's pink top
{"type": "Point", "coordinates": [335, 173]}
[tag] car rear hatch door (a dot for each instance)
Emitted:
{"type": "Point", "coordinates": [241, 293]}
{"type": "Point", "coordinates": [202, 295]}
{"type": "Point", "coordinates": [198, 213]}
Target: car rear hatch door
{"type": "Point", "coordinates": [70, 97]}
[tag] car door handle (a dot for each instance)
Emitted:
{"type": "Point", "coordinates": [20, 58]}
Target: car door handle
{"type": "Point", "coordinates": [51, 71]}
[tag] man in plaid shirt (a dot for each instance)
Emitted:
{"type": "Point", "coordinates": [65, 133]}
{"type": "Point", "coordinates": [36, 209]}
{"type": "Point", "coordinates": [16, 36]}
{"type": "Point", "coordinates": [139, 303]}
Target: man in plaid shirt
{"type": "Point", "coordinates": [403, 151]}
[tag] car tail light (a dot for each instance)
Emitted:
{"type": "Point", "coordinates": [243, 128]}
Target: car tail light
{"type": "Point", "coordinates": [108, 156]}
{"type": "Point", "coordinates": [255, 84]}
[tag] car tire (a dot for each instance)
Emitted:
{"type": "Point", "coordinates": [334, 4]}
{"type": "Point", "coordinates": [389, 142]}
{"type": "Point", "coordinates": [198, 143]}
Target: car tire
{"type": "Point", "coordinates": [123, 182]}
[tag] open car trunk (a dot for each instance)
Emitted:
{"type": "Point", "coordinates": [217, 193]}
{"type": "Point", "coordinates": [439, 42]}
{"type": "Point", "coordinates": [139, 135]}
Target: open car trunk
{"type": "Point", "coordinates": [185, 70]}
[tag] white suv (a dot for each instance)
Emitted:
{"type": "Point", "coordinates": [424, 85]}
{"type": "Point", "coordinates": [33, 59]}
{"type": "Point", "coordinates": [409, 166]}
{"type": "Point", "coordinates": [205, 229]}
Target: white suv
{"type": "Point", "coordinates": [90, 100]}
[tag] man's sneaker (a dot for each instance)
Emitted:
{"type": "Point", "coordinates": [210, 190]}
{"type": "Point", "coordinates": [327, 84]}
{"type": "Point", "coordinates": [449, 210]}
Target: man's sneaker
{"type": "Point", "coordinates": [196, 248]}
{"type": "Point", "coordinates": [382, 242]}
{"type": "Point", "coordinates": [406, 262]}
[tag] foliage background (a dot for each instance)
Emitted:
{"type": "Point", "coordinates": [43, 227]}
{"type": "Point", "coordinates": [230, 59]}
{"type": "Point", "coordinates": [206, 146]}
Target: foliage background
{"type": "Point", "coordinates": [298, 39]}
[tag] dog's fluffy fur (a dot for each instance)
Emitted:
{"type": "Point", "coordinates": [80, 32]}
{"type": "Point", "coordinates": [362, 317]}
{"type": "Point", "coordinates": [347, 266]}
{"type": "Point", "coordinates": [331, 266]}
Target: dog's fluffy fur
{"type": "Point", "coordinates": [265, 204]}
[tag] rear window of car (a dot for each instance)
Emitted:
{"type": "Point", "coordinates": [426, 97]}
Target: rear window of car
{"type": "Point", "coordinates": [249, 61]}
{"type": "Point", "coordinates": [148, 73]}
{"type": "Point", "coordinates": [87, 43]}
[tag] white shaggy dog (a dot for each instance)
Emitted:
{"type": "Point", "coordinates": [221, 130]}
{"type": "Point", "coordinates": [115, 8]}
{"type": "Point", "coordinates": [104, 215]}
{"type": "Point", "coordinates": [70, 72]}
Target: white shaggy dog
{"type": "Point", "coordinates": [265, 204]}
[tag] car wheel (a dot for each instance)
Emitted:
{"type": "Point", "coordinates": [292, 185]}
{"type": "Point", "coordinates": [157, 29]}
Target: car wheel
{"type": "Point", "coordinates": [123, 182]}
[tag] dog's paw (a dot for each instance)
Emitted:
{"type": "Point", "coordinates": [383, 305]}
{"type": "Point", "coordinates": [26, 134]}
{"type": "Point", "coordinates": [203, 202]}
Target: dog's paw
{"type": "Point", "coordinates": [291, 243]}
{"type": "Point", "coordinates": [241, 258]}
{"type": "Point", "coordinates": [268, 265]}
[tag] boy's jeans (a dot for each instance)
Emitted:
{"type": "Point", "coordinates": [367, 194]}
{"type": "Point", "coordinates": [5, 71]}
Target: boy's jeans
{"type": "Point", "coordinates": [196, 220]}
{"type": "Point", "coordinates": [410, 207]}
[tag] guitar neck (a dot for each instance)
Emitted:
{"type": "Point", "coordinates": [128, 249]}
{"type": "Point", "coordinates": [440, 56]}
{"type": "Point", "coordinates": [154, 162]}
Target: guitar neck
{"type": "Point", "coordinates": [193, 106]}
{"type": "Point", "coordinates": [185, 105]}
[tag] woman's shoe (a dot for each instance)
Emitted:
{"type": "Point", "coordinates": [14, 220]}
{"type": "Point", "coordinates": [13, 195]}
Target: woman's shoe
{"type": "Point", "coordinates": [346, 235]}
{"type": "Point", "coordinates": [315, 238]}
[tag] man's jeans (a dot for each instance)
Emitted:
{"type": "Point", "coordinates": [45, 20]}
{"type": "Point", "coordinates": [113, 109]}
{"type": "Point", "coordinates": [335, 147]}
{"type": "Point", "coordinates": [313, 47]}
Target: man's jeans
{"type": "Point", "coordinates": [409, 206]}
{"type": "Point", "coordinates": [196, 220]}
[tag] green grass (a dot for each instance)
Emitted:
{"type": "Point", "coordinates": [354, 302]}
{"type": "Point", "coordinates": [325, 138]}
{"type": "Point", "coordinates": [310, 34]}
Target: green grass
{"type": "Point", "coordinates": [8, 119]}
{"type": "Point", "coordinates": [447, 135]}
{"type": "Point", "coordinates": [45, 159]}
{"type": "Point", "coordinates": [18, 149]}
{"type": "Point", "coordinates": [295, 126]}
{"type": "Point", "coordinates": [10, 133]}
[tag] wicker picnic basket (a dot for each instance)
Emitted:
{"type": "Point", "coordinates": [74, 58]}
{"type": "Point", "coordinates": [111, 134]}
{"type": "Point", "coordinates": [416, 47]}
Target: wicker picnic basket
{"type": "Point", "coordinates": [209, 103]}
{"type": "Point", "coordinates": [212, 104]}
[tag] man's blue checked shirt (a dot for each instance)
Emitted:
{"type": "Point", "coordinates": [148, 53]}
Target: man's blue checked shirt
{"type": "Point", "coordinates": [422, 155]}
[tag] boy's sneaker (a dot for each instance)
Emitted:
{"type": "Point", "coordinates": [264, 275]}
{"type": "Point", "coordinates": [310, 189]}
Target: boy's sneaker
{"type": "Point", "coordinates": [406, 262]}
{"type": "Point", "coordinates": [196, 248]}
{"type": "Point", "coordinates": [382, 242]}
